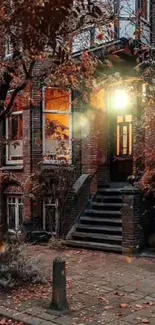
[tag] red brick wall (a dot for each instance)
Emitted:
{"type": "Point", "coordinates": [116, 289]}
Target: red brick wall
{"type": "Point", "coordinates": [95, 147]}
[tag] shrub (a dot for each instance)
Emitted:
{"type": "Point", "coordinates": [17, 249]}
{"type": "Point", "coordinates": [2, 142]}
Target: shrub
{"type": "Point", "coordinates": [17, 268]}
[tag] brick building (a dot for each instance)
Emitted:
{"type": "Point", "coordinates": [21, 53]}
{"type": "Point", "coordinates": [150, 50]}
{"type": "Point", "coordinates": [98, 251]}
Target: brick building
{"type": "Point", "coordinates": [101, 135]}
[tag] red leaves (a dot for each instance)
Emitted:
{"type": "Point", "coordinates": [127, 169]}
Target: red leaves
{"type": "Point", "coordinates": [100, 37]}
{"type": "Point", "coordinates": [4, 321]}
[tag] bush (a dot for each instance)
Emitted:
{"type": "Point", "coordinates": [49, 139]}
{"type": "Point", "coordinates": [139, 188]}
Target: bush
{"type": "Point", "coordinates": [17, 268]}
{"type": "Point", "coordinates": [57, 244]}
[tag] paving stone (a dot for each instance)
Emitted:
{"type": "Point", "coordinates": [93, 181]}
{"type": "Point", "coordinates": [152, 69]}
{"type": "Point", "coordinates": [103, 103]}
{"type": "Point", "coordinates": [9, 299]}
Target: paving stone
{"type": "Point", "coordinates": [33, 311]}
{"type": "Point", "coordinates": [135, 317]}
{"type": "Point", "coordinates": [107, 317]}
{"type": "Point", "coordinates": [40, 313]}
{"type": "Point", "coordinates": [130, 288]}
{"type": "Point", "coordinates": [65, 320]}
{"type": "Point", "coordinates": [26, 319]}
{"type": "Point", "coordinates": [45, 322]}
{"type": "Point", "coordinates": [119, 323]}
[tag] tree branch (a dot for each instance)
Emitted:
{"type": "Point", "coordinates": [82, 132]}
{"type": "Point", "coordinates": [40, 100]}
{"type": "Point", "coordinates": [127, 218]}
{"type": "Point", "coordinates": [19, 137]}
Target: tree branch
{"type": "Point", "coordinates": [7, 110]}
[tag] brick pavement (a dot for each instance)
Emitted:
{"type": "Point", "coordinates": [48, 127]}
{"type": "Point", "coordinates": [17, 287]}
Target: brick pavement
{"type": "Point", "coordinates": [102, 289]}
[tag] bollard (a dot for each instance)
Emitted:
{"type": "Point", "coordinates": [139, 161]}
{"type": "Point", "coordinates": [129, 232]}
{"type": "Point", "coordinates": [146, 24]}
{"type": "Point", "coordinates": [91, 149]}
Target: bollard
{"type": "Point", "coordinates": [59, 300]}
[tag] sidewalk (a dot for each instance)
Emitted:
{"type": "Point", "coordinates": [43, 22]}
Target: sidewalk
{"type": "Point", "coordinates": [102, 289]}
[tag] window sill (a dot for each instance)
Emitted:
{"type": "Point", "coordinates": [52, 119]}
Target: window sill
{"type": "Point", "coordinates": [12, 167]}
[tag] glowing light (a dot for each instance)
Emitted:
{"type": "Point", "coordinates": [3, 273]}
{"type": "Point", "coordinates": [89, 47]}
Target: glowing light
{"type": "Point", "coordinates": [84, 121]}
{"type": "Point", "coordinates": [120, 99]}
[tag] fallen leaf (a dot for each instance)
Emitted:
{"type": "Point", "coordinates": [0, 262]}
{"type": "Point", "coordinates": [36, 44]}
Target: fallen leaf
{"type": "Point", "coordinates": [123, 305]}
{"type": "Point", "coordinates": [150, 303]}
{"type": "Point", "coordinates": [3, 322]}
{"type": "Point", "coordinates": [145, 321]}
{"type": "Point", "coordinates": [108, 307]}
{"type": "Point", "coordinates": [102, 298]}
{"type": "Point", "coordinates": [139, 306]}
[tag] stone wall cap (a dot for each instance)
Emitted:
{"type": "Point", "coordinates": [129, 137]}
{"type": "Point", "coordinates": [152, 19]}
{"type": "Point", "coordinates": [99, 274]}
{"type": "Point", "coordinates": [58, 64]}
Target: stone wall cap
{"type": "Point", "coordinates": [80, 182]}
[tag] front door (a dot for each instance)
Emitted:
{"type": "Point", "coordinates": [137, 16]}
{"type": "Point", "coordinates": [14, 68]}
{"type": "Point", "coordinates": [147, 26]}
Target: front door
{"type": "Point", "coordinates": [121, 134]}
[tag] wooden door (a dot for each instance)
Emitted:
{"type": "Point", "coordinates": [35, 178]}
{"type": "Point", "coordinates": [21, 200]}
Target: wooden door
{"type": "Point", "coordinates": [121, 143]}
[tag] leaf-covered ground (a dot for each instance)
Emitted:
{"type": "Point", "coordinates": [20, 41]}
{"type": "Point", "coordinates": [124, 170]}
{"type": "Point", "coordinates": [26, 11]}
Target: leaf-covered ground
{"type": "Point", "coordinates": [101, 288]}
{"type": "Point", "coordinates": [4, 321]}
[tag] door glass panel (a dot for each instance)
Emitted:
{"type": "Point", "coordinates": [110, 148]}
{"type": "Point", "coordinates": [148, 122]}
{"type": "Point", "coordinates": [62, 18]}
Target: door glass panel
{"type": "Point", "coordinates": [128, 118]}
{"type": "Point", "coordinates": [124, 140]}
{"type": "Point", "coordinates": [119, 119]}
{"type": "Point", "coordinates": [118, 140]}
{"type": "Point", "coordinates": [130, 139]}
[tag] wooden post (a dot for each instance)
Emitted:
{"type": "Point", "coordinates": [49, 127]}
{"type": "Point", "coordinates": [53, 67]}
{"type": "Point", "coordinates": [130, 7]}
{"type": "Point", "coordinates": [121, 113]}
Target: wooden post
{"type": "Point", "coordinates": [59, 299]}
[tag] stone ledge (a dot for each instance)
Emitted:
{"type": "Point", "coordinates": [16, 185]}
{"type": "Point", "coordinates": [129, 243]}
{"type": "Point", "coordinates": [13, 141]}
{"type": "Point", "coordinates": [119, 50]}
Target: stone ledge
{"type": "Point", "coordinates": [17, 167]}
{"type": "Point", "coordinates": [80, 183]}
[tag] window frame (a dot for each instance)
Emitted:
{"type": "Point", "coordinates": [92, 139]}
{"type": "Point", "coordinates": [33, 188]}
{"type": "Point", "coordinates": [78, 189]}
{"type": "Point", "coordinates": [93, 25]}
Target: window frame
{"type": "Point", "coordinates": [16, 204]}
{"type": "Point", "coordinates": [119, 136]}
{"type": "Point", "coordinates": [54, 112]}
{"type": "Point", "coordinates": [45, 205]}
{"type": "Point", "coordinates": [146, 16]}
{"type": "Point", "coordinates": [8, 161]}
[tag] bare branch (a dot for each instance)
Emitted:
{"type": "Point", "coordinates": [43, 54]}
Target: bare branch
{"type": "Point", "coordinates": [22, 86]}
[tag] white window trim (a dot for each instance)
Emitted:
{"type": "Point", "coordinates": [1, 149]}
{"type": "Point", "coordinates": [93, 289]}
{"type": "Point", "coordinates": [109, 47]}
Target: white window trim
{"type": "Point", "coordinates": [146, 19]}
{"type": "Point", "coordinates": [11, 162]}
{"type": "Point", "coordinates": [44, 111]}
{"type": "Point", "coordinates": [44, 213]}
{"type": "Point", "coordinates": [16, 204]}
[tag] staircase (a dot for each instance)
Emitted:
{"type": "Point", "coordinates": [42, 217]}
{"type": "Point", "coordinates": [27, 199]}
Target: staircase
{"type": "Point", "coordinates": [100, 225]}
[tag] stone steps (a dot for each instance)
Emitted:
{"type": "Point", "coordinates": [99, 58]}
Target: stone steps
{"type": "Point", "coordinates": [100, 224]}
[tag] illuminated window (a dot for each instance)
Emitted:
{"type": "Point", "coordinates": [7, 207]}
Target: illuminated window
{"type": "Point", "coordinates": [56, 126]}
{"type": "Point", "coordinates": [119, 119]}
{"type": "Point", "coordinates": [124, 135]}
{"type": "Point", "coordinates": [128, 118]}
{"type": "Point", "coordinates": [14, 137]}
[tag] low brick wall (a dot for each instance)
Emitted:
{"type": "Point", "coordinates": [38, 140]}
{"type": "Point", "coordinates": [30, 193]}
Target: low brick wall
{"type": "Point", "coordinates": [132, 230]}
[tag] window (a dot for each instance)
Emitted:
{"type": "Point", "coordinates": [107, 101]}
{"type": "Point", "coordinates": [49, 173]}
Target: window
{"type": "Point", "coordinates": [8, 46]}
{"type": "Point", "coordinates": [56, 126]}
{"type": "Point", "coordinates": [144, 7]}
{"type": "Point", "coordinates": [14, 212]}
{"type": "Point", "coordinates": [124, 135]}
{"type": "Point", "coordinates": [49, 214]}
{"type": "Point", "coordinates": [14, 137]}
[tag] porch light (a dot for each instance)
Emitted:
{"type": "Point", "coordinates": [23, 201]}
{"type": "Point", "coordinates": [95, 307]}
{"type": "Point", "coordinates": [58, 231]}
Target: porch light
{"type": "Point", "coordinates": [120, 99]}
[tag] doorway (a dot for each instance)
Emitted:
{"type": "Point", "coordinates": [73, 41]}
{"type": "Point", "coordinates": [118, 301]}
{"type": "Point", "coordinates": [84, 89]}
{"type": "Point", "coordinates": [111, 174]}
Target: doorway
{"type": "Point", "coordinates": [121, 147]}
